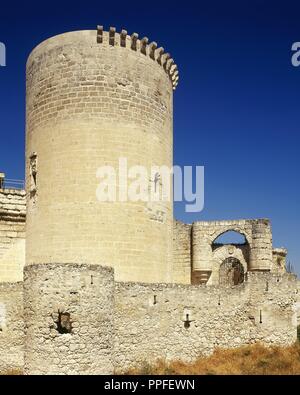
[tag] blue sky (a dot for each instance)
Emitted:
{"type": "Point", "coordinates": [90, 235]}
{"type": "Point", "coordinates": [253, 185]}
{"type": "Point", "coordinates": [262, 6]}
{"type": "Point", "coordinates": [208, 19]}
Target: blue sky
{"type": "Point", "coordinates": [236, 107]}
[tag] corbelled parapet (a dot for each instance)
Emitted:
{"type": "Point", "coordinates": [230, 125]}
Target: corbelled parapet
{"type": "Point", "coordinates": [142, 45]}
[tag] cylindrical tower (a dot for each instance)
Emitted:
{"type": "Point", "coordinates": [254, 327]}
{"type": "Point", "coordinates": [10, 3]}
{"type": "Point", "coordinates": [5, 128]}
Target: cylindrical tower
{"type": "Point", "coordinates": [261, 252]}
{"type": "Point", "coordinates": [68, 311]}
{"type": "Point", "coordinates": [202, 253]}
{"type": "Point", "coordinates": [94, 97]}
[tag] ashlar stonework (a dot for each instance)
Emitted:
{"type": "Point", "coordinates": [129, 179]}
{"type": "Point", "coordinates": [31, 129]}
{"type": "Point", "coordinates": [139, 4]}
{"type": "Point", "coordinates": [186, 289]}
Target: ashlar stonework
{"type": "Point", "coordinates": [101, 287]}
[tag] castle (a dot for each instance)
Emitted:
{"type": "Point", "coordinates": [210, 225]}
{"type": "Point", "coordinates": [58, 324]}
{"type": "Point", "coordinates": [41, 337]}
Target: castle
{"type": "Point", "coordinates": [93, 288]}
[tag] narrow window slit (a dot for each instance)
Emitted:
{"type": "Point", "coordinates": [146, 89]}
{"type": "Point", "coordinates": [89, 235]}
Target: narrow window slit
{"type": "Point", "coordinates": [187, 322]}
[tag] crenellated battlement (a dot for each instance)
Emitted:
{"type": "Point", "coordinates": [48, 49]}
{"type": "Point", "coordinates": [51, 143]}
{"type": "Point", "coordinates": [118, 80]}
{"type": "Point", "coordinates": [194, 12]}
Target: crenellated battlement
{"type": "Point", "coordinates": [143, 45]}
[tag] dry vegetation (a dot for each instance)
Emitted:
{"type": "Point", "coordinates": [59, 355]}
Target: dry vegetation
{"type": "Point", "coordinates": [249, 360]}
{"type": "Point", "coordinates": [254, 359]}
{"type": "Point", "coordinates": [12, 372]}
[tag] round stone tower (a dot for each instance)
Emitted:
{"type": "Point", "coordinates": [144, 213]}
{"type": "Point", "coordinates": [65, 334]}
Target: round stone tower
{"type": "Point", "coordinates": [261, 248]}
{"type": "Point", "coordinates": [68, 312]}
{"type": "Point", "coordinates": [94, 97]}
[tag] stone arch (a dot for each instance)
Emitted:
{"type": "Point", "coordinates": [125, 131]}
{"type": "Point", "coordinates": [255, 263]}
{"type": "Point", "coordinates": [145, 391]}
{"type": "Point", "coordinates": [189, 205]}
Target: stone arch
{"type": "Point", "coordinates": [220, 255]}
{"type": "Point", "coordinates": [258, 250]}
{"type": "Point", "coordinates": [218, 233]}
{"type": "Point", "coordinates": [217, 244]}
{"type": "Point", "coordinates": [231, 272]}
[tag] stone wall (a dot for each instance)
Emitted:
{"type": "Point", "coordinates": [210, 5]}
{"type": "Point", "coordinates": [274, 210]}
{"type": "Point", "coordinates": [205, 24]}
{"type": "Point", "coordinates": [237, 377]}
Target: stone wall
{"type": "Point", "coordinates": [183, 322]}
{"type": "Point", "coordinates": [68, 312]}
{"type": "Point", "coordinates": [257, 233]}
{"type": "Point", "coordinates": [297, 307]}
{"type": "Point", "coordinates": [223, 253]}
{"type": "Point", "coordinates": [78, 321]}
{"type": "Point", "coordinates": [12, 234]}
{"type": "Point", "coordinates": [197, 259]}
{"type": "Point", "coordinates": [182, 253]}
{"type": "Point", "coordinates": [279, 260]}
{"type": "Point", "coordinates": [11, 327]}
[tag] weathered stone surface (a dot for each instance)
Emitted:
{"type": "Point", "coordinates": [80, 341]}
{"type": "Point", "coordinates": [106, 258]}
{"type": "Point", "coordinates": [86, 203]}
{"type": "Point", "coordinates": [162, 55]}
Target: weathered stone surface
{"type": "Point", "coordinates": [93, 97]}
{"type": "Point", "coordinates": [69, 319]}
{"type": "Point", "coordinates": [279, 260]}
{"type": "Point", "coordinates": [179, 322]}
{"type": "Point", "coordinates": [257, 233]}
{"type": "Point", "coordinates": [11, 327]}
{"type": "Point", "coordinates": [182, 253]}
{"type": "Point", "coordinates": [79, 321]}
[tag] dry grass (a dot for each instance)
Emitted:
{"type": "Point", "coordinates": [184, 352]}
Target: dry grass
{"type": "Point", "coordinates": [254, 359]}
{"type": "Point", "coordinates": [12, 372]}
{"type": "Point", "coordinates": [249, 360]}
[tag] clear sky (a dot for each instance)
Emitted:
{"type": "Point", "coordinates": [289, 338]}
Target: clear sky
{"type": "Point", "coordinates": [236, 107]}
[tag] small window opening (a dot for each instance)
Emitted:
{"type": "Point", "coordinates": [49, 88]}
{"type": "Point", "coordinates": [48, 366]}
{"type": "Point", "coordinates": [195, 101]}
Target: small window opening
{"type": "Point", "coordinates": [63, 323]}
{"type": "Point", "coordinates": [260, 317]}
{"type": "Point", "coordinates": [155, 299]}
